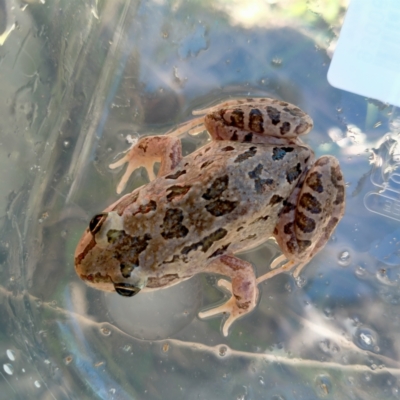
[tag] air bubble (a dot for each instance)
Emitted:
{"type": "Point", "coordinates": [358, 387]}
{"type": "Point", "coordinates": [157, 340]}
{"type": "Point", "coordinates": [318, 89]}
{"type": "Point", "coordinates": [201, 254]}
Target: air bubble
{"type": "Point", "coordinates": [68, 360]}
{"type": "Point", "coordinates": [37, 384]}
{"type": "Point", "coordinates": [105, 331]}
{"type": "Point", "coordinates": [127, 348]}
{"type": "Point", "coordinates": [344, 258]}
{"type": "Point", "coordinates": [366, 338]}
{"type": "Point", "coordinates": [8, 368]}
{"type": "Point", "coordinates": [261, 380]}
{"type": "Point", "coordinates": [323, 385]}
{"type": "Point", "coordinates": [222, 351]}
{"type": "Point", "coordinates": [66, 144]}
{"type": "Point", "coordinates": [10, 355]}
{"type": "Point", "coordinates": [276, 62]}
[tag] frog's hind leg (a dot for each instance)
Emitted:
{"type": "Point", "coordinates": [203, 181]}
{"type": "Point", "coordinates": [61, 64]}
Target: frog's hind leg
{"type": "Point", "coordinates": [193, 127]}
{"type": "Point", "coordinates": [244, 289]}
{"type": "Point", "coordinates": [311, 214]}
{"type": "Point", "coordinates": [146, 152]}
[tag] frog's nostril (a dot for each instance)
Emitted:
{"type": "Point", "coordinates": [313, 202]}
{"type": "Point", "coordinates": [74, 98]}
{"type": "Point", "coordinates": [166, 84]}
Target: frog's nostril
{"type": "Point", "coordinates": [126, 289]}
{"type": "Point", "coordinates": [96, 223]}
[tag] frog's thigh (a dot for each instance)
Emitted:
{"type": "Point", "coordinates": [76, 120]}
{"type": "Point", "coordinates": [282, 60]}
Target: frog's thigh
{"type": "Point", "coordinates": [146, 152]}
{"type": "Point", "coordinates": [244, 289]}
{"type": "Point", "coordinates": [312, 212]}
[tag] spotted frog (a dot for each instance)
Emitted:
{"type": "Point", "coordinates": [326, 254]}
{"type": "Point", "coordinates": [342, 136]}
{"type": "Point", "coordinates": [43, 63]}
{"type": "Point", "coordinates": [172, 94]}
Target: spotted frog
{"type": "Point", "coordinates": [254, 180]}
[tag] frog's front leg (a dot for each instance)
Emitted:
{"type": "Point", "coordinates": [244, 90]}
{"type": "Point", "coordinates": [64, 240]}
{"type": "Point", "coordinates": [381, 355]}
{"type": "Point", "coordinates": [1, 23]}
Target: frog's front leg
{"type": "Point", "coordinates": [244, 289]}
{"type": "Point", "coordinates": [309, 216]}
{"type": "Point", "coordinates": [146, 152]}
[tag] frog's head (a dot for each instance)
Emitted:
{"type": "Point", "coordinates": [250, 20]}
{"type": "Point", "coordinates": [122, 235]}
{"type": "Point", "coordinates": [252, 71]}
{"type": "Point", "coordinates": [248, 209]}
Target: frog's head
{"type": "Point", "coordinates": [106, 257]}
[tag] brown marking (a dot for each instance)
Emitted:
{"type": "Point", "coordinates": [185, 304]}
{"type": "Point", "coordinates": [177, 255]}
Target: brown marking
{"type": "Point", "coordinates": [288, 228]}
{"type": "Point", "coordinates": [177, 192]}
{"type": "Point", "coordinates": [228, 148]}
{"type": "Point", "coordinates": [304, 223]}
{"type": "Point", "coordinates": [304, 245]}
{"type": "Point", "coordinates": [87, 249]}
{"type": "Point", "coordinates": [126, 249]}
{"type": "Point", "coordinates": [176, 175]}
{"type": "Point", "coordinates": [206, 242]}
{"type": "Point", "coordinates": [260, 184]}
{"type": "Point", "coordinates": [279, 152]}
{"type": "Point", "coordinates": [296, 112]}
{"type": "Point", "coordinates": [256, 120]}
{"type": "Point", "coordinates": [339, 196]}
{"type": "Point", "coordinates": [275, 199]}
{"type": "Point", "coordinates": [259, 219]}
{"type": "Point", "coordinates": [285, 128]}
{"type": "Point", "coordinates": [247, 154]}
{"type": "Point", "coordinates": [248, 138]}
{"type": "Point", "coordinates": [217, 188]}
{"type": "Point", "coordinates": [239, 229]}
{"type": "Point", "coordinates": [301, 128]}
{"type": "Point", "coordinates": [234, 137]}
{"type": "Point", "coordinates": [172, 224]}
{"type": "Point", "coordinates": [219, 251]}
{"type": "Point", "coordinates": [274, 115]}
{"type": "Point", "coordinates": [221, 207]}
{"type": "Point", "coordinates": [206, 164]}
{"type": "Point", "coordinates": [314, 181]}
{"type": "Point", "coordinates": [293, 173]}
{"type": "Point", "coordinates": [145, 208]}
{"type": "Point", "coordinates": [310, 203]}
{"type": "Point", "coordinates": [288, 207]}
{"type": "Point", "coordinates": [237, 118]}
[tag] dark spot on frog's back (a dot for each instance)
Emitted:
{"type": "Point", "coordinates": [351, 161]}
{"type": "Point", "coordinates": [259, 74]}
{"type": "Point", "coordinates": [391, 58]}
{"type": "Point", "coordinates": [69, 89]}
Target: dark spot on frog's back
{"type": "Point", "coordinates": [177, 192]}
{"type": "Point", "coordinates": [228, 148]}
{"type": "Point", "coordinates": [206, 164]}
{"type": "Point", "coordinates": [220, 251]}
{"type": "Point", "coordinates": [206, 242]}
{"type": "Point", "coordinates": [127, 248]}
{"type": "Point", "coordinates": [275, 199]}
{"type": "Point", "coordinates": [150, 206]}
{"type": "Point", "coordinates": [247, 154]}
{"type": "Point", "coordinates": [259, 183]}
{"type": "Point", "coordinates": [176, 175]}
{"type": "Point", "coordinates": [256, 121]}
{"type": "Point", "coordinates": [172, 225]}
{"type": "Point", "coordinates": [274, 115]}
{"type": "Point", "coordinates": [216, 188]}
{"type": "Point", "coordinates": [339, 196]}
{"type": "Point", "coordinates": [293, 173]}
{"type": "Point", "coordinates": [279, 152]}
{"type": "Point", "coordinates": [219, 208]}
{"type": "Point", "coordinates": [237, 118]}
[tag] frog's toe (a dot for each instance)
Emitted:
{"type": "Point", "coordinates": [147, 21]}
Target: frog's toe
{"type": "Point", "coordinates": [231, 308]}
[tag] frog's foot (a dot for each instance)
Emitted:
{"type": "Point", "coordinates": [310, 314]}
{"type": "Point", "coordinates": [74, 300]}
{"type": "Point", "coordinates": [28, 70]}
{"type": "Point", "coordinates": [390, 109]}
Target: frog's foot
{"type": "Point", "coordinates": [145, 153]}
{"type": "Point", "coordinates": [243, 289]}
{"type": "Point", "coordinates": [311, 213]}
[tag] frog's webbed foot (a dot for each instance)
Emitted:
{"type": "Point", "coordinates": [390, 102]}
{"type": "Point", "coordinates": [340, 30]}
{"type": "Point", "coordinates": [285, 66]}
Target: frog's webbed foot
{"type": "Point", "coordinates": [145, 153]}
{"type": "Point", "coordinates": [243, 289]}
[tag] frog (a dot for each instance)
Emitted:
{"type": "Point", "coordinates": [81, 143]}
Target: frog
{"type": "Point", "coordinates": [254, 180]}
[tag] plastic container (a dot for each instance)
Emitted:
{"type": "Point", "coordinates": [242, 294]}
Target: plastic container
{"type": "Point", "coordinates": [80, 78]}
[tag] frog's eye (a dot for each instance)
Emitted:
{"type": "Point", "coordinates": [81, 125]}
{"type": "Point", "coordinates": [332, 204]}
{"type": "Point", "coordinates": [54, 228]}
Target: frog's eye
{"type": "Point", "coordinates": [125, 289]}
{"type": "Point", "coordinates": [96, 222]}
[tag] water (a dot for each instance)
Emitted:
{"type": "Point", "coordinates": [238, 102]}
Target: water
{"type": "Point", "coordinates": [80, 81]}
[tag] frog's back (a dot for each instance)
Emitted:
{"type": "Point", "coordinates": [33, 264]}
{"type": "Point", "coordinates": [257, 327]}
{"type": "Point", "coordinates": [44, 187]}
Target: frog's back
{"type": "Point", "coordinates": [225, 197]}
